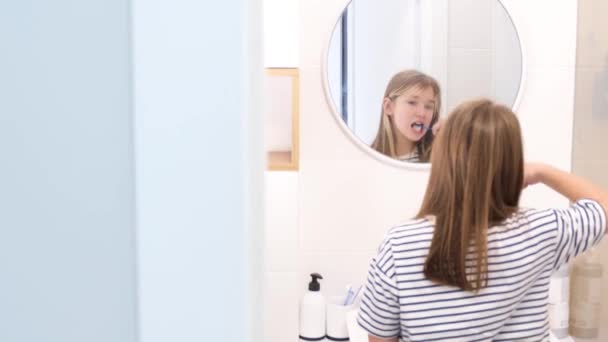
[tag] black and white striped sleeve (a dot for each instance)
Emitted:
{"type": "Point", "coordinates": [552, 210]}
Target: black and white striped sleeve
{"type": "Point", "coordinates": [379, 311]}
{"type": "Point", "coordinates": [579, 227]}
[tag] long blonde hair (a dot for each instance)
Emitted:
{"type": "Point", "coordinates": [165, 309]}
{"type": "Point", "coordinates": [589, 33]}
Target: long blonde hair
{"type": "Point", "coordinates": [398, 85]}
{"type": "Point", "coordinates": [475, 182]}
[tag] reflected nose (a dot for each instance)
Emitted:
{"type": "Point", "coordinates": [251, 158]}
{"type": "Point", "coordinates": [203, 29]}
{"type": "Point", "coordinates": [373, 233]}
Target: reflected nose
{"type": "Point", "coordinates": [419, 113]}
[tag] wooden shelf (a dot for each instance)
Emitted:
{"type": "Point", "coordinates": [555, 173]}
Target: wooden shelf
{"type": "Point", "coordinates": [287, 160]}
{"type": "Point", "coordinates": [281, 161]}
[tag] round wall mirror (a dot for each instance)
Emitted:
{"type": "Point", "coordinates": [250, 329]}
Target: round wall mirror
{"type": "Point", "coordinates": [394, 68]}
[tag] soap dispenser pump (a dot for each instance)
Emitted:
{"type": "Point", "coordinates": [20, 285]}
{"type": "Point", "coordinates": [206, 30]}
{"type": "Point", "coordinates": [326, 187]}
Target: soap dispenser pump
{"type": "Point", "coordinates": [312, 312]}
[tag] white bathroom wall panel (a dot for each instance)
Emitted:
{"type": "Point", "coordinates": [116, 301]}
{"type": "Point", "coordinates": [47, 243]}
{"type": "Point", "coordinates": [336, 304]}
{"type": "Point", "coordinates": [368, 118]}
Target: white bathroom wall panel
{"type": "Point", "coordinates": [546, 123]}
{"type": "Point", "coordinates": [344, 207]}
{"type": "Point", "coordinates": [548, 30]}
{"type": "Point", "coordinates": [325, 14]}
{"type": "Point", "coordinates": [280, 310]}
{"type": "Point", "coordinates": [282, 278]}
{"type": "Point", "coordinates": [281, 220]}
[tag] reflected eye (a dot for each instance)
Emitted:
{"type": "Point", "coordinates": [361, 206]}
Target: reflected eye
{"type": "Point", "coordinates": [429, 107]}
{"type": "Point", "coordinates": [413, 103]}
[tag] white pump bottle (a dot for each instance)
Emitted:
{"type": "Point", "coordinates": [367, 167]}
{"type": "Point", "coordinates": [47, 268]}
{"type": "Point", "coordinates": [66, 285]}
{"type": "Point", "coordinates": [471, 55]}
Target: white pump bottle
{"type": "Point", "coordinates": [312, 312]}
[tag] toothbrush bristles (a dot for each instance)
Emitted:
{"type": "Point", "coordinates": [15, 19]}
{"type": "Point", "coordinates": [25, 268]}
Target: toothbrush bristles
{"type": "Point", "coordinates": [418, 125]}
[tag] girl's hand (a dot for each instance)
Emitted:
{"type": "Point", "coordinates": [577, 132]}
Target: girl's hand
{"type": "Point", "coordinates": [532, 173]}
{"type": "Point", "coordinates": [437, 125]}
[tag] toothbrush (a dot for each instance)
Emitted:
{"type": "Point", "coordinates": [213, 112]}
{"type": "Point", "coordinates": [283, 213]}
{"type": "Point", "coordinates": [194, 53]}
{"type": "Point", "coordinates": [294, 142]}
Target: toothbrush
{"type": "Point", "coordinates": [356, 295]}
{"type": "Point", "coordinates": [349, 294]}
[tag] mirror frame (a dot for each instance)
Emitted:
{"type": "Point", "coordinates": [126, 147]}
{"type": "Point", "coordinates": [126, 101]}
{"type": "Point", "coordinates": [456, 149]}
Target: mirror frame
{"type": "Point", "coordinates": [367, 149]}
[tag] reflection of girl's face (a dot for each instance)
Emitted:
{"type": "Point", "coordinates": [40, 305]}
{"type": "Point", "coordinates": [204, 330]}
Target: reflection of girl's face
{"type": "Point", "coordinates": [409, 110]}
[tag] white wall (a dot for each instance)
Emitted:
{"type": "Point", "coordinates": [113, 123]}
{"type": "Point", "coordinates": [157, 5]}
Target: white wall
{"type": "Point", "coordinates": [198, 148]}
{"type": "Point", "coordinates": [281, 30]}
{"type": "Point", "coordinates": [346, 200]}
{"type": "Point", "coordinates": [280, 317]}
{"type": "Point", "coordinates": [67, 254]}
{"type": "Point", "coordinates": [281, 241]}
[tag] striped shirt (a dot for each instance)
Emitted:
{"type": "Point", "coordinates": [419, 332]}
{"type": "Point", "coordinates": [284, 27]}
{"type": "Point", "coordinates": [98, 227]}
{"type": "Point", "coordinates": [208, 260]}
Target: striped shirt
{"type": "Point", "coordinates": [411, 157]}
{"type": "Point", "coordinates": [523, 252]}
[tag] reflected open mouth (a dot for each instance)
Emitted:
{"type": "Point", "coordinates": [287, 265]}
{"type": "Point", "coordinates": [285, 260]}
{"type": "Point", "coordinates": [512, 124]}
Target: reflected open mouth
{"type": "Point", "coordinates": [419, 127]}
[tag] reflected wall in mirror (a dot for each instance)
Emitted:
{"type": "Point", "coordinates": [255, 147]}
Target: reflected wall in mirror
{"type": "Point", "coordinates": [470, 47]}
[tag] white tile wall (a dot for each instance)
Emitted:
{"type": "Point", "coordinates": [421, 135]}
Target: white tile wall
{"type": "Point", "coordinates": [546, 114]}
{"type": "Point", "coordinates": [547, 29]}
{"type": "Point", "coordinates": [320, 24]}
{"type": "Point", "coordinates": [281, 33]}
{"type": "Point", "coordinates": [346, 207]}
{"type": "Point", "coordinates": [281, 295]}
{"type": "Point", "coordinates": [313, 100]}
{"type": "Point", "coordinates": [281, 277]}
{"type": "Point", "coordinates": [281, 221]}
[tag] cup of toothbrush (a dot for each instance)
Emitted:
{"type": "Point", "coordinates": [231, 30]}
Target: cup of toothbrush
{"type": "Point", "coordinates": [355, 332]}
{"type": "Point", "coordinates": [336, 327]}
{"type": "Point", "coordinates": [337, 309]}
